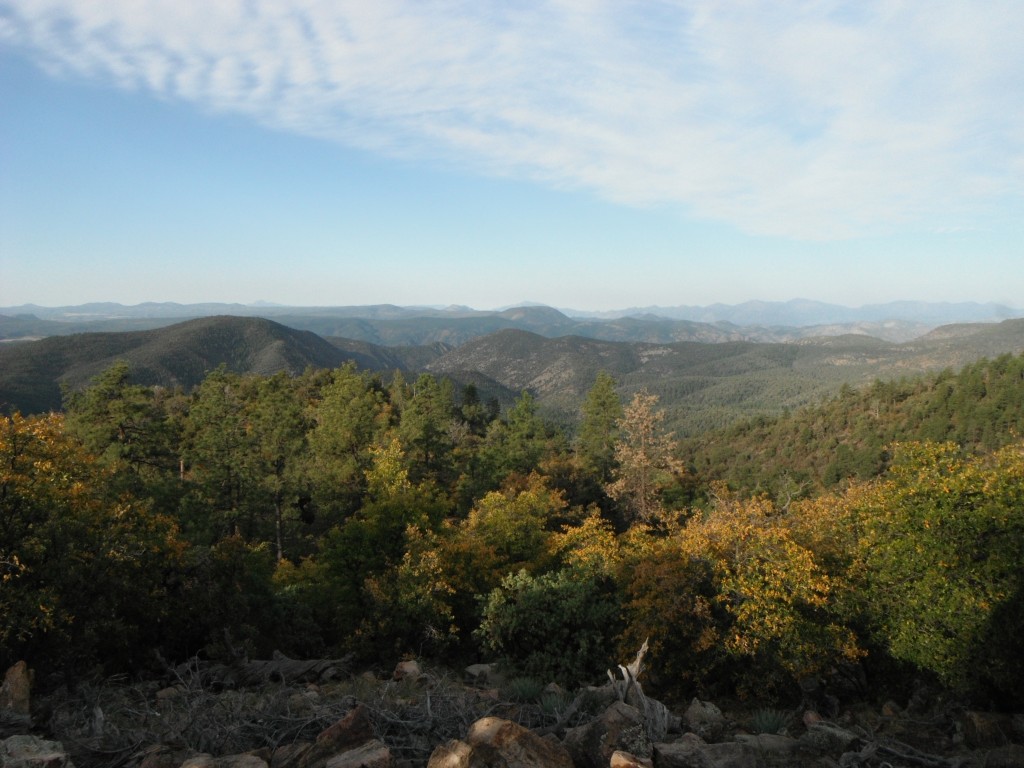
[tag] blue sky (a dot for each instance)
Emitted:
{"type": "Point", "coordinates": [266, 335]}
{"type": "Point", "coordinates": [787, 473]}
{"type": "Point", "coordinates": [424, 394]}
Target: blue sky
{"type": "Point", "coordinates": [581, 153]}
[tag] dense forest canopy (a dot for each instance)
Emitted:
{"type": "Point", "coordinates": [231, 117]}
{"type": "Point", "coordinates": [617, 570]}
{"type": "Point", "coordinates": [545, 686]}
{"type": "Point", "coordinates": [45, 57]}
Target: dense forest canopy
{"type": "Point", "coordinates": [341, 511]}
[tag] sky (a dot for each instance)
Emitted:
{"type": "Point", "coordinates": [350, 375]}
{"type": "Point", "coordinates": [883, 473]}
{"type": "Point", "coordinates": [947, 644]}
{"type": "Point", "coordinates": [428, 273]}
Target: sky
{"type": "Point", "coordinates": [586, 154]}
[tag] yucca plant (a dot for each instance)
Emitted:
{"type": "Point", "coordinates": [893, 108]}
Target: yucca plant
{"type": "Point", "coordinates": [769, 721]}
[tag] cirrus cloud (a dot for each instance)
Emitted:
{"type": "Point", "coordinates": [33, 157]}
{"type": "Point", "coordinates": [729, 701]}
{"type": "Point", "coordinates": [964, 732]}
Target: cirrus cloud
{"type": "Point", "coordinates": [814, 120]}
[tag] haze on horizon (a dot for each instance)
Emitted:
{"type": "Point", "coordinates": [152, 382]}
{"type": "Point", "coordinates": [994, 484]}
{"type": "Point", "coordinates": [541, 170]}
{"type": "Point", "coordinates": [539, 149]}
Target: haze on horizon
{"type": "Point", "coordinates": [576, 153]}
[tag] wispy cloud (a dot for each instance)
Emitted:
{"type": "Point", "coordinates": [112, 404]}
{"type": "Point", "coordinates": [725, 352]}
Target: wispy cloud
{"type": "Point", "coordinates": [815, 120]}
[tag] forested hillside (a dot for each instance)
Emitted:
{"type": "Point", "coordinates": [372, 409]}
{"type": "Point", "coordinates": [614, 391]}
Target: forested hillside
{"type": "Point", "coordinates": [338, 511]}
{"type": "Point", "coordinates": [33, 374]}
{"type": "Point", "coordinates": [701, 386]}
{"type": "Point", "coordinates": [980, 408]}
{"type": "Point", "coordinates": [708, 386]}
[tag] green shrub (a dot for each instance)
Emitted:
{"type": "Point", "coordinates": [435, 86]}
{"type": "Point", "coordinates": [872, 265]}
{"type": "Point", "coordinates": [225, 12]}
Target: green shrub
{"type": "Point", "coordinates": [523, 689]}
{"type": "Point", "coordinates": [557, 626]}
{"type": "Point", "coordinates": [554, 702]}
{"type": "Point", "coordinates": [940, 554]}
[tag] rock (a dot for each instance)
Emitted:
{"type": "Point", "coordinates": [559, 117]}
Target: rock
{"type": "Point", "coordinates": [15, 693]}
{"type": "Point", "coordinates": [1008, 756]}
{"type": "Point", "coordinates": [730, 754]}
{"type": "Point", "coordinates": [408, 670]}
{"type": "Point", "coordinates": [776, 751]}
{"type": "Point", "coordinates": [827, 738]}
{"type": "Point", "coordinates": [303, 702]}
{"type": "Point", "coordinates": [451, 754]}
{"type": "Point", "coordinates": [15, 701]}
{"type": "Point", "coordinates": [287, 755]}
{"type": "Point", "coordinates": [626, 760]}
{"type": "Point", "coordinates": [24, 751]}
{"type": "Point", "coordinates": [891, 709]}
{"type": "Point", "coordinates": [372, 754]}
{"type": "Point", "coordinates": [691, 738]}
{"type": "Point", "coordinates": [620, 727]}
{"type": "Point", "coordinates": [986, 729]}
{"type": "Point", "coordinates": [161, 756]}
{"type": "Point", "coordinates": [353, 730]}
{"type": "Point", "coordinates": [705, 719]}
{"type": "Point", "coordinates": [497, 743]}
{"type": "Point", "coordinates": [204, 760]}
{"type": "Point", "coordinates": [479, 674]}
{"type": "Point", "coordinates": [814, 696]}
{"type": "Point", "coordinates": [266, 754]}
{"type": "Point", "coordinates": [170, 693]}
{"type": "Point", "coordinates": [240, 761]}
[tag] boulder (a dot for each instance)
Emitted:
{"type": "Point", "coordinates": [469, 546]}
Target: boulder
{"type": "Point", "coordinates": [24, 751]}
{"type": "Point", "coordinates": [684, 754]}
{"type": "Point", "coordinates": [15, 691]}
{"type": "Point", "coordinates": [497, 743]}
{"type": "Point", "coordinates": [287, 755]}
{"type": "Point", "coordinates": [626, 760]}
{"type": "Point", "coordinates": [407, 670]}
{"type": "Point", "coordinates": [353, 730]}
{"type": "Point", "coordinates": [620, 727]}
{"type": "Point", "coordinates": [372, 754]}
{"type": "Point", "coordinates": [452, 754]}
{"type": "Point", "coordinates": [483, 675]}
{"type": "Point", "coordinates": [705, 719]}
{"type": "Point", "coordinates": [827, 738]}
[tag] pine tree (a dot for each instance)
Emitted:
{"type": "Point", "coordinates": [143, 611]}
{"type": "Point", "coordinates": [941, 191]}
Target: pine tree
{"type": "Point", "coordinates": [599, 430]}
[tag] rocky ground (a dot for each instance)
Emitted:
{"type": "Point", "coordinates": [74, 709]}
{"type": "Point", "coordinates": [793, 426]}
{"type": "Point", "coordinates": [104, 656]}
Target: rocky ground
{"type": "Point", "coordinates": [283, 713]}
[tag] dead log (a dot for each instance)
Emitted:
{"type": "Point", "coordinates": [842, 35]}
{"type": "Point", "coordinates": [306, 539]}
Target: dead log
{"type": "Point", "coordinates": [251, 673]}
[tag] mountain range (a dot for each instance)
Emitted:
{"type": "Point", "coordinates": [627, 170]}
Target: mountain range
{"type": "Point", "coordinates": [392, 325]}
{"type": "Point", "coordinates": [702, 385]}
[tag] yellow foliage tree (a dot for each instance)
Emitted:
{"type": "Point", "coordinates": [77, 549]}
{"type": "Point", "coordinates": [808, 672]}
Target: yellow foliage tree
{"type": "Point", "coordinates": [779, 599]}
{"type": "Point", "coordinates": [80, 572]}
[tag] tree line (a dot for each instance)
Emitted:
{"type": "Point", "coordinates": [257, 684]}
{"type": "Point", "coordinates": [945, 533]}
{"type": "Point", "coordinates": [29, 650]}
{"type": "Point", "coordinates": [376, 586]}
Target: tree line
{"type": "Point", "coordinates": [338, 512]}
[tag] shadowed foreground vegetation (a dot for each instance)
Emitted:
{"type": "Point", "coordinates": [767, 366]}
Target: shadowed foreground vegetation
{"type": "Point", "coordinates": [876, 538]}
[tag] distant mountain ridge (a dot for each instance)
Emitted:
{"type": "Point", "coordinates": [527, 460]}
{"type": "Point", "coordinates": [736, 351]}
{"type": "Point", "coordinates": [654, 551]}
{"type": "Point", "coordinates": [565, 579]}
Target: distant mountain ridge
{"type": "Point", "coordinates": [391, 325]}
{"type": "Point", "coordinates": [701, 385]}
{"type": "Point", "coordinates": [801, 313]}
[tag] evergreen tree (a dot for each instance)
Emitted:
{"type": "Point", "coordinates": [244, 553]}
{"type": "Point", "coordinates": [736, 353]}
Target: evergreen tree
{"type": "Point", "coordinates": [425, 429]}
{"type": "Point", "coordinates": [131, 429]}
{"type": "Point", "coordinates": [278, 426]}
{"type": "Point", "coordinates": [218, 454]}
{"type": "Point", "coordinates": [599, 430]}
{"type": "Point", "coordinates": [351, 414]}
